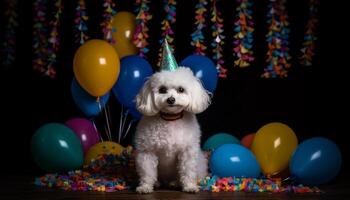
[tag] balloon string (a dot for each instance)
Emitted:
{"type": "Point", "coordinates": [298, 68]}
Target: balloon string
{"type": "Point", "coordinates": [128, 129]}
{"type": "Point", "coordinates": [100, 108]}
{"type": "Point", "coordinates": [124, 120]}
{"type": "Point", "coordinates": [120, 124]}
{"type": "Point", "coordinates": [93, 123]}
{"type": "Point", "coordinates": [107, 131]}
{"type": "Point", "coordinates": [109, 120]}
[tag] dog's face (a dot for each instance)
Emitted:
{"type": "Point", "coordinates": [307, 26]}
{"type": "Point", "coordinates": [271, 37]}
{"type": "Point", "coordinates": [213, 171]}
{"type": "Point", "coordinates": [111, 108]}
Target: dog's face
{"type": "Point", "coordinates": [172, 92]}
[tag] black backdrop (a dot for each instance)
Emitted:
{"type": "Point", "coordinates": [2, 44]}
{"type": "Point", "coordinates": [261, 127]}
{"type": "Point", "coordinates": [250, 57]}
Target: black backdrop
{"type": "Point", "coordinates": [310, 101]}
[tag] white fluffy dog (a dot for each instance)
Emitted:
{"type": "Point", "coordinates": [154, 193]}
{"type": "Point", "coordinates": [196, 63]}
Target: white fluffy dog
{"type": "Point", "coordinates": [168, 136]}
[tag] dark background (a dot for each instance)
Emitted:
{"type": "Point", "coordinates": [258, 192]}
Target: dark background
{"type": "Point", "coordinates": [311, 100]}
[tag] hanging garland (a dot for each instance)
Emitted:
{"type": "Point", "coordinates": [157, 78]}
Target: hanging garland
{"type": "Point", "coordinates": [277, 38]}
{"type": "Point", "coordinates": [197, 35]}
{"type": "Point", "coordinates": [106, 25]}
{"type": "Point", "coordinates": [9, 44]}
{"type": "Point", "coordinates": [309, 36]}
{"type": "Point", "coordinates": [39, 36]}
{"type": "Point", "coordinates": [80, 23]}
{"type": "Point", "coordinates": [54, 41]}
{"type": "Point", "coordinates": [167, 31]}
{"type": "Point", "coordinates": [141, 31]}
{"type": "Point", "coordinates": [218, 29]}
{"type": "Point", "coordinates": [243, 41]}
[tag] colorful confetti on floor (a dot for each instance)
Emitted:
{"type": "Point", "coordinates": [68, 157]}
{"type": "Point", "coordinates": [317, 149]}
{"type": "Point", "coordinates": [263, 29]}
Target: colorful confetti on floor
{"type": "Point", "coordinates": [111, 173]}
{"type": "Point", "coordinates": [229, 184]}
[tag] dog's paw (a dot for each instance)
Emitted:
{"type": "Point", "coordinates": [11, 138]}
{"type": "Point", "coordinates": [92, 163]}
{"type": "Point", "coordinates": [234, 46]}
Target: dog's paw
{"type": "Point", "coordinates": [144, 189]}
{"type": "Point", "coordinates": [192, 188]}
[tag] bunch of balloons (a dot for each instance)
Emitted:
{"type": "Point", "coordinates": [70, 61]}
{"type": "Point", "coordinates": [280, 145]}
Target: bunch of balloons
{"type": "Point", "coordinates": [272, 152]}
{"type": "Point", "coordinates": [97, 69]}
{"type": "Point", "coordinates": [59, 147]}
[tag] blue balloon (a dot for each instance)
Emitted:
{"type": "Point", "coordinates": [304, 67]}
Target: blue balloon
{"type": "Point", "coordinates": [134, 113]}
{"type": "Point", "coordinates": [85, 102]}
{"type": "Point", "coordinates": [315, 161]}
{"type": "Point", "coordinates": [219, 139]}
{"type": "Point", "coordinates": [134, 71]}
{"type": "Point", "coordinates": [234, 160]}
{"type": "Point", "coordinates": [204, 69]}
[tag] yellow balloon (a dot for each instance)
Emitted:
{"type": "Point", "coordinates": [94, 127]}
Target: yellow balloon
{"type": "Point", "coordinates": [273, 146]}
{"type": "Point", "coordinates": [96, 67]}
{"type": "Point", "coordinates": [124, 24]}
{"type": "Point", "coordinates": [102, 148]}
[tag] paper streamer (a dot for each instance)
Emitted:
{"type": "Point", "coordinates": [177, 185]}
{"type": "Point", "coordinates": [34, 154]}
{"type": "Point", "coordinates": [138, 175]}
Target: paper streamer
{"type": "Point", "coordinates": [54, 41]}
{"type": "Point", "coordinates": [167, 30]}
{"type": "Point", "coordinates": [40, 30]}
{"type": "Point", "coordinates": [197, 36]}
{"type": "Point", "coordinates": [308, 49]}
{"type": "Point", "coordinates": [80, 23]}
{"type": "Point", "coordinates": [141, 31]}
{"type": "Point", "coordinates": [278, 41]}
{"type": "Point", "coordinates": [217, 33]}
{"type": "Point", "coordinates": [9, 43]}
{"type": "Point", "coordinates": [243, 38]}
{"type": "Point", "coordinates": [106, 25]}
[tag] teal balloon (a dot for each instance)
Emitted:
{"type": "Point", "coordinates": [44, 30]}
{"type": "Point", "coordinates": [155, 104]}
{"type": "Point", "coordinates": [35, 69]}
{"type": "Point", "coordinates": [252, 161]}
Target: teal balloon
{"type": "Point", "coordinates": [219, 139]}
{"type": "Point", "coordinates": [56, 148]}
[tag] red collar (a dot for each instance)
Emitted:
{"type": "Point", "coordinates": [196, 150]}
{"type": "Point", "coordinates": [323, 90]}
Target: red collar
{"type": "Point", "coordinates": [171, 117]}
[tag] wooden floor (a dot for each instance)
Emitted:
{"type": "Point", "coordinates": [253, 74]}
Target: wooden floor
{"type": "Point", "coordinates": [21, 187]}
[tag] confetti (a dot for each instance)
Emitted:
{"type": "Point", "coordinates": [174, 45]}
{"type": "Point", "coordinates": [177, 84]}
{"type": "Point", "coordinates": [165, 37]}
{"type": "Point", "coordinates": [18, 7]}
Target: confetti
{"type": "Point", "coordinates": [197, 36]}
{"type": "Point", "coordinates": [218, 39]}
{"type": "Point", "coordinates": [141, 31]}
{"type": "Point", "coordinates": [243, 39]}
{"type": "Point", "coordinates": [108, 173]}
{"type": "Point", "coordinates": [80, 23]}
{"type": "Point", "coordinates": [278, 41]}
{"type": "Point", "coordinates": [233, 184]}
{"type": "Point", "coordinates": [308, 49]}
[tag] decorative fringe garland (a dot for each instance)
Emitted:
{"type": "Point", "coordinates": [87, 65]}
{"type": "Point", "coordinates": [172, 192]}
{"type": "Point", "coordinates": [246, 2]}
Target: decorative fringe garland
{"type": "Point", "coordinates": [106, 25]}
{"type": "Point", "coordinates": [277, 39]}
{"type": "Point", "coordinates": [168, 32]}
{"type": "Point", "coordinates": [39, 36]}
{"type": "Point", "coordinates": [54, 40]}
{"type": "Point", "coordinates": [243, 41]}
{"type": "Point", "coordinates": [309, 37]}
{"type": "Point", "coordinates": [9, 43]}
{"type": "Point", "coordinates": [141, 32]}
{"type": "Point", "coordinates": [197, 35]}
{"type": "Point", "coordinates": [218, 29]}
{"type": "Point", "coordinates": [80, 23]}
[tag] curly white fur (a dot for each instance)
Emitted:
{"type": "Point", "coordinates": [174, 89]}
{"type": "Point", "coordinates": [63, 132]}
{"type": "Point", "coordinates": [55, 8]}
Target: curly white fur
{"type": "Point", "coordinates": [169, 151]}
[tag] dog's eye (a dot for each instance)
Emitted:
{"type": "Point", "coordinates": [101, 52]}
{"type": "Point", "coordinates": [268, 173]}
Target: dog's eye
{"type": "Point", "coordinates": [181, 90]}
{"type": "Point", "coordinates": [163, 90]}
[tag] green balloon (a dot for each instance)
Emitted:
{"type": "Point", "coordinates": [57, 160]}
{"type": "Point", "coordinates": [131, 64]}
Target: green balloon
{"type": "Point", "coordinates": [219, 139]}
{"type": "Point", "coordinates": [55, 148]}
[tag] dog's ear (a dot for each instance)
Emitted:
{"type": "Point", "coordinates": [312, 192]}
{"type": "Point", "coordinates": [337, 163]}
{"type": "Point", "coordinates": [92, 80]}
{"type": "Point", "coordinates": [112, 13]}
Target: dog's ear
{"type": "Point", "coordinates": [199, 98]}
{"type": "Point", "coordinates": [144, 100]}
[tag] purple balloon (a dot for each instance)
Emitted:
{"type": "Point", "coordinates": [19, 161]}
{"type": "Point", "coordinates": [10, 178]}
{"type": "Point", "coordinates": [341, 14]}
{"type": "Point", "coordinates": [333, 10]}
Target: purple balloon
{"type": "Point", "coordinates": [86, 132]}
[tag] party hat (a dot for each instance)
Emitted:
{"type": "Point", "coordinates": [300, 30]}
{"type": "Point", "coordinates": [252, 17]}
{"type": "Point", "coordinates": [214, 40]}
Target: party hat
{"type": "Point", "coordinates": [168, 62]}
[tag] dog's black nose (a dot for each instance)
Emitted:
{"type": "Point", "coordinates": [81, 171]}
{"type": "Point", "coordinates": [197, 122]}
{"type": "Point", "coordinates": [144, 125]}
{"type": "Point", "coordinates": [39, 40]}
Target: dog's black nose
{"type": "Point", "coordinates": [171, 100]}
